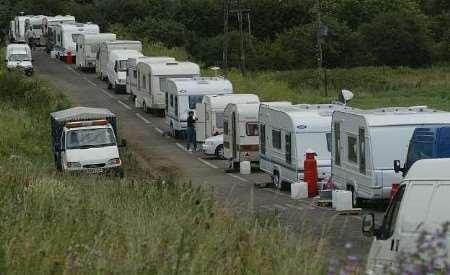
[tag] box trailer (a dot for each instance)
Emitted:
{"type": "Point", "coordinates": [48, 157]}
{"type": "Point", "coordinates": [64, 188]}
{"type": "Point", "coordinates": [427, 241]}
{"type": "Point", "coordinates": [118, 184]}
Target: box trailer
{"type": "Point", "coordinates": [67, 35]}
{"type": "Point", "coordinates": [103, 58]}
{"type": "Point", "coordinates": [88, 46]}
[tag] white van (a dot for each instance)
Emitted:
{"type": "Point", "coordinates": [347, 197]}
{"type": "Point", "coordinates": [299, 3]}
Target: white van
{"type": "Point", "coordinates": [132, 70]}
{"type": "Point", "coordinates": [210, 113]}
{"type": "Point", "coordinates": [420, 204]}
{"type": "Point", "coordinates": [67, 35]}
{"type": "Point", "coordinates": [106, 48]}
{"type": "Point", "coordinates": [241, 131]}
{"type": "Point", "coordinates": [366, 143]}
{"type": "Point", "coordinates": [47, 23]}
{"type": "Point", "coordinates": [183, 94]}
{"type": "Point", "coordinates": [18, 56]}
{"type": "Point", "coordinates": [116, 70]}
{"type": "Point", "coordinates": [287, 132]}
{"type": "Point", "coordinates": [148, 94]}
{"type": "Point", "coordinates": [87, 47]}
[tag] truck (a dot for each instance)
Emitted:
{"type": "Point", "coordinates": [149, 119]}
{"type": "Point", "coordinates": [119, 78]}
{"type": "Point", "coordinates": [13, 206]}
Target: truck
{"type": "Point", "coordinates": [18, 57]}
{"type": "Point", "coordinates": [84, 140]}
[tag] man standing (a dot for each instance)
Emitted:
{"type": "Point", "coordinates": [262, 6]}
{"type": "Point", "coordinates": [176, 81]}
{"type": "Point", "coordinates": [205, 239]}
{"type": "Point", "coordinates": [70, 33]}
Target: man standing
{"type": "Point", "coordinates": [191, 136]}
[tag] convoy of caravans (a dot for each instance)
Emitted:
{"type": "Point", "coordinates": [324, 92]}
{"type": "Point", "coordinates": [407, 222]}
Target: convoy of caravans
{"type": "Point", "coordinates": [241, 131]}
{"type": "Point", "coordinates": [67, 36]}
{"type": "Point", "coordinates": [48, 23]}
{"type": "Point", "coordinates": [87, 47]}
{"type": "Point", "coordinates": [132, 70]}
{"type": "Point", "coordinates": [105, 50]}
{"type": "Point", "coordinates": [116, 70]}
{"type": "Point", "coordinates": [150, 75]}
{"type": "Point", "coordinates": [366, 143]}
{"type": "Point", "coordinates": [210, 113]}
{"type": "Point", "coordinates": [287, 133]}
{"type": "Point", "coordinates": [18, 57]}
{"type": "Point", "coordinates": [183, 94]}
{"type": "Point", "coordinates": [420, 205]}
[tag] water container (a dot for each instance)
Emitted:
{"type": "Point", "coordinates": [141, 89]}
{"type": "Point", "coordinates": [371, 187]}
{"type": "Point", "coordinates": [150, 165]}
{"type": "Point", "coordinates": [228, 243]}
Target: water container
{"type": "Point", "coordinates": [245, 168]}
{"type": "Point", "coordinates": [299, 190]}
{"type": "Point", "coordinates": [53, 54]}
{"type": "Point", "coordinates": [342, 200]}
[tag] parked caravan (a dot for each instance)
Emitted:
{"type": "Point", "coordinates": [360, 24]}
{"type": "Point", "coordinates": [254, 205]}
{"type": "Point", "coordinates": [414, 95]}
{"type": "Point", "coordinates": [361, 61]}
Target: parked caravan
{"type": "Point", "coordinates": [67, 35]}
{"type": "Point", "coordinates": [210, 113]}
{"type": "Point", "coordinates": [48, 36]}
{"type": "Point", "coordinates": [366, 143]}
{"type": "Point", "coordinates": [241, 131]}
{"type": "Point", "coordinates": [116, 70]}
{"type": "Point", "coordinates": [105, 49]}
{"type": "Point", "coordinates": [183, 94]}
{"type": "Point", "coordinates": [12, 31]}
{"type": "Point", "coordinates": [18, 57]}
{"type": "Point", "coordinates": [132, 70]}
{"type": "Point", "coordinates": [420, 205]}
{"type": "Point", "coordinates": [87, 47]}
{"type": "Point", "coordinates": [20, 28]}
{"type": "Point", "coordinates": [150, 75]}
{"type": "Point", "coordinates": [33, 29]}
{"type": "Point", "coordinates": [287, 133]}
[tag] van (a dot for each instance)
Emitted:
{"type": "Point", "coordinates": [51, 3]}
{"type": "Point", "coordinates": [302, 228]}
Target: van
{"type": "Point", "coordinates": [48, 37]}
{"type": "Point", "coordinates": [102, 59]}
{"type": "Point", "coordinates": [87, 47]}
{"type": "Point", "coordinates": [366, 143]}
{"type": "Point", "coordinates": [287, 133]}
{"type": "Point", "coordinates": [132, 70]}
{"type": "Point", "coordinates": [150, 75]}
{"type": "Point", "coordinates": [183, 94]}
{"type": "Point", "coordinates": [18, 56]}
{"type": "Point", "coordinates": [116, 70]}
{"type": "Point", "coordinates": [420, 204]}
{"type": "Point", "coordinates": [67, 35]}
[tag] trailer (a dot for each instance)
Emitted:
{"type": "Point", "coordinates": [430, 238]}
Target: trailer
{"type": "Point", "coordinates": [366, 143]}
{"type": "Point", "coordinates": [116, 70]}
{"type": "Point", "coordinates": [88, 46]}
{"type": "Point", "coordinates": [103, 58]}
{"type": "Point", "coordinates": [48, 38]}
{"type": "Point", "coordinates": [21, 28]}
{"type": "Point", "coordinates": [67, 35]}
{"type": "Point", "coordinates": [33, 29]}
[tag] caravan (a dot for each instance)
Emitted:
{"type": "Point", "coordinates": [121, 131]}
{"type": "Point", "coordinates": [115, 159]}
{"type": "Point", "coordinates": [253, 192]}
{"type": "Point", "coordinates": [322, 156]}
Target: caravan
{"type": "Point", "coordinates": [132, 70]}
{"type": "Point", "coordinates": [210, 113]}
{"type": "Point", "coordinates": [21, 28]}
{"type": "Point", "coordinates": [287, 133]}
{"type": "Point", "coordinates": [87, 47]}
{"type": "Point", "coordinates": [150, 75]}
{"type": "Point", "coordinates": [48, 23]}
{"type": "Point", "coordinates": [34, 25]}
{"type": "Point", "coordinates": [116, 70]}
{"type": "Point", "coordinates": [183, 94]}
{"type": "Point", "coordinates": [366, 143]}
{"type": "Point", "coordinates": [103, 58]}
{"type": "Point", "coordinates": [67, 36]}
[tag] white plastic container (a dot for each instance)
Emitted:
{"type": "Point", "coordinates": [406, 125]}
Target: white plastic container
{"type": "Point", "coordinates": [299, 190]}
{"type": "Point", "coordinates": [245, 168]}
{"type": "Point", "coordinates": [342, 200]}
{"type": "Point", "coordinates": [53, 54]}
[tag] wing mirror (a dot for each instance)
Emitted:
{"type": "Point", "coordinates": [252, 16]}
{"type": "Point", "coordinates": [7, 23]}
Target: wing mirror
{"type": "Point", "coordinates": [368, 225]}
{"type": "Point", "coordinates": [397, 166]}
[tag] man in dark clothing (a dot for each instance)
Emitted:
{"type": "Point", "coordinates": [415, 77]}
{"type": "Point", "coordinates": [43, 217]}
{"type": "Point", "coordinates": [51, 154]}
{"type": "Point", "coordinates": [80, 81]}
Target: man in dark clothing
{"type": "Point", "coordinates": [191, 136]}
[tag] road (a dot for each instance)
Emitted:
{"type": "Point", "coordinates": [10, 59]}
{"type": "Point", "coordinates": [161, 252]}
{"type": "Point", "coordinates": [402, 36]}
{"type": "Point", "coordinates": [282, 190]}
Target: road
{"type": "Point", "coordinates": [166, 156]}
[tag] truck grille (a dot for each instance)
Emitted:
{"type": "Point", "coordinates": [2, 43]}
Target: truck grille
{"type": "Point", "coordinates": [98, 165]}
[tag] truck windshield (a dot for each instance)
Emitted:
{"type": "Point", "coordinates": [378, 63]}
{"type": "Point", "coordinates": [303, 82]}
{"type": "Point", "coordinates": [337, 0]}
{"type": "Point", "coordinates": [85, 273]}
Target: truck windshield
{"type": "Point", "coordinates": [419, 150]}
{"type": "Point", "coordinates": [90, 138]}
{"type": "Point", "coordinates": [19, 57]}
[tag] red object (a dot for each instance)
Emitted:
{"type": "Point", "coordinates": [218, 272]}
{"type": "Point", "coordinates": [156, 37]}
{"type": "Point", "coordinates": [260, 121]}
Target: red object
{"type": "Point", "coordinates": [394, 189]}
{"type": "Point", "coordinates": [311, 174]}
{"type": "Point", "coordinates": [69, 58]}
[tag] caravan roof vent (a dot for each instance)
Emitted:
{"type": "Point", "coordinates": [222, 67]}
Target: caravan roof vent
{"type": "Point", "coordinates": [171, 63]}
{"type": "Point", "coordinates": [418, 108]}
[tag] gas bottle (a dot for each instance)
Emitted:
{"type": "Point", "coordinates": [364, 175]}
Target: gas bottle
{"type": "Point", "coordinates": [311, 173]}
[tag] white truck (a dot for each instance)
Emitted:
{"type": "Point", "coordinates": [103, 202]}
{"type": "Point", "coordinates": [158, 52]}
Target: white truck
{"type": "Point", "coordinates": [420, 204]}
{"type": "Point", "coordinates": [103, 58]}
{"type": "Point", "coordinates": [116, 70]}
{"type": "Point", "coordinates": [67, 35]}
{"type": "Point", "coordinates": [183, 94]}
{"type": "Point", "coordinates": [85, 140]}
{"type": "Point", "coordinates": [18, 57]}
{"type": "Point", "coordinates": [88, 46]}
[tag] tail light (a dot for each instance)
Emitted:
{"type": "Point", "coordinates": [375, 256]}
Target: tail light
{"type": "Point", "coordinates": [394, 189]}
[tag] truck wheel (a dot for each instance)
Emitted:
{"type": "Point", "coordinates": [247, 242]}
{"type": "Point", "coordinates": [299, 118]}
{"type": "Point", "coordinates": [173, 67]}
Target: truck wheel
{"type": "Point", "coordinates": [219, 152]}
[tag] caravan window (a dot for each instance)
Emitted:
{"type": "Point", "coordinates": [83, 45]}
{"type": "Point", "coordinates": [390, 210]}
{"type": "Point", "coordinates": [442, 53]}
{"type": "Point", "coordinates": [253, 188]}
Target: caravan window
{"type": "Point", "coordinates": [122, 65]}
{"type": "Point", "coordinates": [225, 127]}
{"type": "Point", "coordinates": [150, 83]}
{"type": "Point", "coordinates": [176, 106]}
{"type": "Point", "coordinates": [134, 74]}
{"type": "Point", "coordinates": [288, 144]}
{"type": "Point", "coordinates": [193, 100]}
{"type": "Point", "coordinates": [362, 150]}
{"type": "Point", "coordinates": [352, 149]}
{"type": "Point", "coordinates": [171, 100]}
{"type": "Point", "coordinates": [328, 136]}
{"type": "Point", "coordinates": [252, 129]}
{"type": "Point", "coordinates": [276, 139]}
{"type": "Point", "coordinates": [144, 82]}
{"type": "Point", "coordinates": [219, 120]}
{"type": "Point", "coordinates": [337, 143]}
{"type": "Point", "coordinates": [262, 138]}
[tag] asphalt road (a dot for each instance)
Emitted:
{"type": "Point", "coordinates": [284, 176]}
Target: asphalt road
{"type": "Point", "coordinates": [166, 156]}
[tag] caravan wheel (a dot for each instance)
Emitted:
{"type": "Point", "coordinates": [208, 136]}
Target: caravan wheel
{"type": "Point", "coordinates": [276, 181]}
{"type": "Point", "coordinates": [356, 201]}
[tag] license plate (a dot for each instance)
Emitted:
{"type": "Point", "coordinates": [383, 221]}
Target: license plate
{"type": "Point", "coordinates": [94, 170]}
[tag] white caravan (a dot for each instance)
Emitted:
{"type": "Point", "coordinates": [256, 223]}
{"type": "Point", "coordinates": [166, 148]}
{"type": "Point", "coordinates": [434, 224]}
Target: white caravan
{"type": "Point", "coordinates": [420, 204]}
{"type": "Point", "coordinates": [106, 48]}
{"type": "Point", "coordinates": [287, 133]}
{"type": "Point", "coordinates": [34, 25]}
{"type": "Point", "coordinates": [210, 113]}
{"type": "Point", "coordinates": [18, 56]}
{"type": "Point", "coordinates": [366, 143]}
{"type": "Point", "coordinates": [20, 28]}
{"type": "Point", "coordinates": [150, 75]}
{"type": "Point", "coordinates": [132, 70]}
{"type": "Point", "coordinates": [183, 94]}
{"type": "Point", "coordinates": [47, 24]}
{"type": "Point", "coordinates": [116, 70]}
{"type": "Point", "coordinates": [241, 131]}
{"type": "Point", "coordinates": [67, 36]}
{"type": "Point", "coordinates": [87, 47]}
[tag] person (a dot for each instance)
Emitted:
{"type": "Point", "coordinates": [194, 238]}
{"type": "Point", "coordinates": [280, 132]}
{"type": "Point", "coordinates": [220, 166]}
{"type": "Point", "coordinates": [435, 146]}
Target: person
{"type": "Point", "coordinates": [191, 136]}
